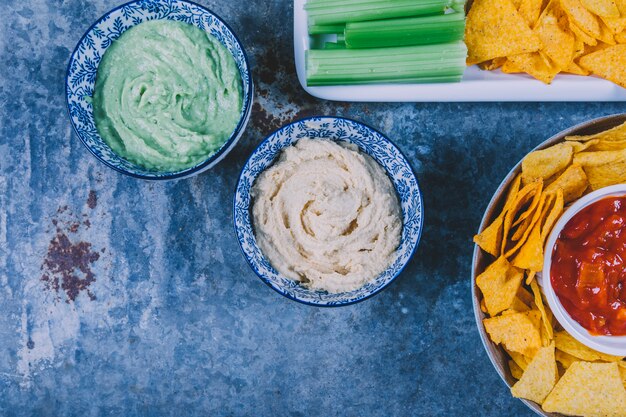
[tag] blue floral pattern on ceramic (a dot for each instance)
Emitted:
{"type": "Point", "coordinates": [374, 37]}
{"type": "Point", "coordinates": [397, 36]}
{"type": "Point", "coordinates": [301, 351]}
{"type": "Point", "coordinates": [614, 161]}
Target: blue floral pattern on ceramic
{"type": "Point", "coordinates": [369, 141]}
{"type": "Point", "coordinates": [83, 67]}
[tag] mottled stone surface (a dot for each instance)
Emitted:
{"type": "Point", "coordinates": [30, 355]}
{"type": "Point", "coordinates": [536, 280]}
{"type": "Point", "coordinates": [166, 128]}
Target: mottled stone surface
{"type": "Point", "coordinates": [163, 315]}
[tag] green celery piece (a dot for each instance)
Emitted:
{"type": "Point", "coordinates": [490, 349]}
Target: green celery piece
{"type": "Point", "coordinates": [407, 64]}
{"type": "Point", "coordinates": [405, 31]}
{"type": "Point", "coordinates": [325, 29]}
{"type": "Point", "coordinates": [335, 45]}
{"type": "Point", "coordinates": [322, 12]}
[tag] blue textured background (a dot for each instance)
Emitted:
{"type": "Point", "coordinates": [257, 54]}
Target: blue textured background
{"type": "Point", "coordinates": [179, 324]}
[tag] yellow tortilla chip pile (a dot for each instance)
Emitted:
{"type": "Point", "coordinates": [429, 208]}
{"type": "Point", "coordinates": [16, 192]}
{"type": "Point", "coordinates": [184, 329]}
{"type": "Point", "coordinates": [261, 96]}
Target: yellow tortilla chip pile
{"type": "Point", "coordinates": [545, 37]}
{"type": "Point", "coordinates": [552, 368]}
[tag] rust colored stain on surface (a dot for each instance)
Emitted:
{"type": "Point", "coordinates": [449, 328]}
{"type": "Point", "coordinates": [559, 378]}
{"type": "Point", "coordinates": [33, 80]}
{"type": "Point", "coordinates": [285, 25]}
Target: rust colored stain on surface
{"type": "Point", "coordinates": [66, 268]}
{"type": "Point", "coordinates": [92, 201]}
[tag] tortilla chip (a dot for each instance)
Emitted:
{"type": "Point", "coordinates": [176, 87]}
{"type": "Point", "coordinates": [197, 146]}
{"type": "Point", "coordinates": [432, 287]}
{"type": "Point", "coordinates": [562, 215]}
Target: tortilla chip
{"type": "Point", "coordinates": [530, 255]}
{"type": "Point", "coordinates": [499, 284]}
{"type": "Point", "coordinates": [492, 64]}
{"type": "Point", "coordinates": [620, 37]}
{"type": "Point", "coordinates": [525, 295]}
{"type": "Point", "coordinates": [535, 65]}
{"type": "Point", "coordinates": [581, 17]}
{"type": "Point", "coordinates": [575, 69]}
{"type": "Point", "coordinates": [606, 35]}
{"type": "Point", "coordinates": [535, 209]}
{"type": "Point", "coordinates": [539, 378]}
{"type": "Point", "coordinates": [615, 24]}
{"type": "Point", "coordinates": [622, 372]}
{"type": "Point", "coordinates": [519, 359]}
{"type": "Point", "coordinates": [617, 133]}
{"type": "Point", "coordinates": [490, 239]}
{"type": "Point", "coordinates": [516, 371]}
{"type": "Point", "coordinates": [609, 63]}
{"type": "Point", "coordinates": [530, 277]}
{"type": "Point", "coordinates": [494, 28]}
{"type": "Point", "coordinates": [605, 145]}
{"type": "Point", "coordinates": [603, 8]}
{"type": "Point", "coordinates": [547, 162]}
{"type": "Point", "coordinates": [589, 389]}
{"type": "Point", "coordinates": [582, 36]}
{"type": "Point", "coordinates": [603, 168]}
{"type": "Point", "coordinates": [566, 359]}
{"type": "Point", "coordinates": [566, 343]}
{"type": "Point", "coordinates": [572, 182]}
{"type": "Point", "coordinates": [530, 11]}
{"type": "Point", "coordinates": [530, 193]}
{"type": "Point", "coordinates": [519, 305]}
{"type": "Point", "coordinates": [558, 41]}
{"type": "Point", "coordinates": [555, 213]}
{"type": "Point", "coordinates": [583, 146]}
{"type": "Point", "coordinates": [544, 316]}
{"type": "Point", "coordinates": [515, 331]}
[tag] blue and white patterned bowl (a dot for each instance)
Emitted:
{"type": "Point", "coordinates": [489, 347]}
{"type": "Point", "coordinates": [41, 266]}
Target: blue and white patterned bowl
{"type": "Point", "coordinates": [370, 142]}
{"type": "Point", "coordinates": [83, 67]}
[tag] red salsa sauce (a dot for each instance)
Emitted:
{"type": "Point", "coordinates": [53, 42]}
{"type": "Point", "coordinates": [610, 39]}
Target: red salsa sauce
{"type": "Point", "coordinates": [588, 271]}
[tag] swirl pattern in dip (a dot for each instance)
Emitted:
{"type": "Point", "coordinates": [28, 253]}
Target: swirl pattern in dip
{"type": "Point", "coordinates": [327, 215]}
{"type": "Point", "coordinates": [167, 96]}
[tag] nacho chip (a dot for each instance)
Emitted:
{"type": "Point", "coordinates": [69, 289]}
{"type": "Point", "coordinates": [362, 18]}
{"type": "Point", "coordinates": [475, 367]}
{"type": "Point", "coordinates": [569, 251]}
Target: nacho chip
{"type": "Point", "coordinates": [565, 359]}
{"type": "Point", "coordinates": [490, 239]}
{"type": "Point", "coordinates": [525, 295]}
{"type": "Point", "coordinates": [606, 35]}
{"type": "Point", "coordinates": [589, 389]}
{"type": "Point", "coordinates": [499, 284]}
{"type": "Point", "coordinates": [555, 213]}
{"type": "Point", "coordinates": [519, 305]}
{"type": "Point", "coordinates": [617, 133]}
{"type": "Point", "coordinates": [609, 63]}
{"type": "Point", "coordinates": [544, 315]}
{"type": "Point", "coordinates": [516, 371]}
{"type": "Point", "coordinates": [492, 64]}
{"type": "Point", "coordinates": [494, 28]}
{"type": "Point", "coordinates": [519, 359]}
{"type": "Point", "coordinates": [572, 182]}
{"type": "Point", "coordinates": [603, 168]}
{"type": "Point", "coordinates": [603, 8]}
{"type": "Point", "coordinates": [582, 36]}
{"type": "Point", "coordinates": [575, 69]}
{"type": "Point", "coordinates": [530, 193]}
{"type": "Point", "coordinates": [615, 24]}
{"type": "Point", "coordinates": [539, 378]}
{"type": "Point", "coordinates": [622, 372]}
{"type": "Point", "coordinates": [583, 146]}
{"type": "Point", "coordinates": [515, 331]}
{"type": "Point", "coordinates": [535, 65]}
{"type": "Point", "coordinates": [558, 41]}
{"type": "Point", "coordinates": [566, 343]}
{"type": "Point", "coordinates": [530, 255]}
{"type": "Point", "coordinates": [581, 17]}
{"type": "Point", "coordinates": [606, 145]}
{"type": "Point", "coordinates": [530, 277]}
{"type": "Point", "coordinates": [530, 11]}
{"type": "Point", "coordinates": [547, 162]}
{"type": "Point", "coordinates": [535, 210]}
{"type": "Point", "coordinates": [620, 37]}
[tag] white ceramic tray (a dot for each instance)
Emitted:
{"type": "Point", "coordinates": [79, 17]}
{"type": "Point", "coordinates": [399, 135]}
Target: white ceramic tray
{"type": "Point", "coordinates": [477, 85]}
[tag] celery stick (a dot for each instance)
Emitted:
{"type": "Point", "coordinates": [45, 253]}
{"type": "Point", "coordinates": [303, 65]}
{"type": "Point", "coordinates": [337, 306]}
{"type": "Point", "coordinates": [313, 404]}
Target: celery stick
{"type": "Point", "coordinates": [335, 45]}
{"type": "Point", "coordinates": [323, 12]}
{"type": "Point", "coordinates": [408, 64]}
{"type": "Point", "coordinates": [325, 29]}
{"type": "Point", "coordinates": [406, 31]}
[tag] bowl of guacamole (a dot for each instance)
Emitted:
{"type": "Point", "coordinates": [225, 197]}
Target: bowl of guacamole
{"type": "Point", "coordinates": [159, 89]}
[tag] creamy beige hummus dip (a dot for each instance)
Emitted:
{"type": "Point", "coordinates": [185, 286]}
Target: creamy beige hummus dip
{"type": "Point", "coordinates": [326, 215]}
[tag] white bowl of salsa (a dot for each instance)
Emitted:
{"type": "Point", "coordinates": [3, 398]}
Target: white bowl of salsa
{"type": "Point", "coordinates": [584, 271]}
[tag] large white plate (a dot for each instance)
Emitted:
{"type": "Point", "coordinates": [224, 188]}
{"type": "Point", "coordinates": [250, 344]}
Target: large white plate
{"type": "Point", "coordinates": [477, 85]}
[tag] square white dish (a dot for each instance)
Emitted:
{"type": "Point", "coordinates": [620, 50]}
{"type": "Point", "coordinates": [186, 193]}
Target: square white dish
{"type": "Point", "coordinates": [477, 85]}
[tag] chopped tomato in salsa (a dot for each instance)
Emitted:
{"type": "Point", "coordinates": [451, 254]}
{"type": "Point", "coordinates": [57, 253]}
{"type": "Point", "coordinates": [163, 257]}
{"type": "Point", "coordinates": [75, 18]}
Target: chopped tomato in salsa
{"type": "Point", "coordinates": [588, 271]}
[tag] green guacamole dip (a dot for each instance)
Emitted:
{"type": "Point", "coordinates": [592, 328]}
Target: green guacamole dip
{"type": "Point", "coordinates": [167, 96]}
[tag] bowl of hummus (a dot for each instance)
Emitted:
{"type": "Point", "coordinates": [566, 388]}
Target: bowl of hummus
{"type": "Point", "coordinates": [159, 89]}
{"type": "Point", "coordinates": [327, 211]}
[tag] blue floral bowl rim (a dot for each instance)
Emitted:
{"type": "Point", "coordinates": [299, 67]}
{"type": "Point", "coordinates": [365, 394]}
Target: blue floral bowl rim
{"type": "Point", "coordinates": [267, 281]}
{"type": "Point", "coordinates": [189, 171]}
